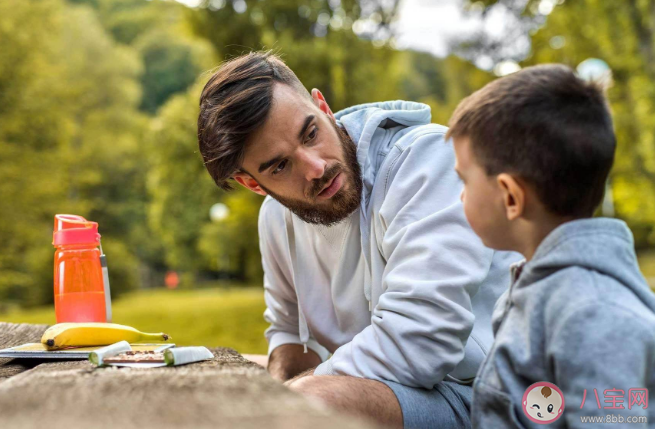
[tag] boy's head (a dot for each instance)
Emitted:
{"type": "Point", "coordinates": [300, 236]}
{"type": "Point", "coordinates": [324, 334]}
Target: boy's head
{"type": "Point", "coordinates": [259, 126]}
{"type": "Point", "coordinates": [538, 143]}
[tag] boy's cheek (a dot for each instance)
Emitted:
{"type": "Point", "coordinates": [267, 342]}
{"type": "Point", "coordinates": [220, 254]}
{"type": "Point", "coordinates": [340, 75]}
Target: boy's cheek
{"type": "Point", "coordinates": [481, 225]}
{"type": "Point", "coordinates": [470, 213]}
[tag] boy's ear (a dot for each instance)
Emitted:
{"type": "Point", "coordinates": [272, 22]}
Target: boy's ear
{"type": "Point", "coordinates": [513, 195]}
{"type": "Point", "coordinates": [246, 180]}
{"type": "Point", "coordinates": [321, 103]}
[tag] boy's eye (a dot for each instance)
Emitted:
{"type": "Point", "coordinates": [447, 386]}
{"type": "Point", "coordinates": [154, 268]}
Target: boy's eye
{"type": "Point", "coordinates": [280, 167]}
{"type": "Point", "coordinates": [550, 408]}
{"type": "Point", "coordinates": [536, 406]}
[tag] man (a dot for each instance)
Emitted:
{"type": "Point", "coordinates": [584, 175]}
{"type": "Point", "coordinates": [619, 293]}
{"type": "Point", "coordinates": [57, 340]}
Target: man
{"type": "Point", "coordinates": [366, 250]}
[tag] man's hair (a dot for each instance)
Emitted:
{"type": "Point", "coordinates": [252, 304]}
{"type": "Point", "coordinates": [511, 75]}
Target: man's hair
{"type": "Point", "coordinates": [234, 103]}
{"type": "Point", "coordinates": [548, 127]}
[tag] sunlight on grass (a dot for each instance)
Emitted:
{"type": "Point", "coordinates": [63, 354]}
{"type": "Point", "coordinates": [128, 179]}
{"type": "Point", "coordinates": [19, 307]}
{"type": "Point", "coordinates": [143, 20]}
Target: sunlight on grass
{"type": "Point", "coordinates": [202, 317]}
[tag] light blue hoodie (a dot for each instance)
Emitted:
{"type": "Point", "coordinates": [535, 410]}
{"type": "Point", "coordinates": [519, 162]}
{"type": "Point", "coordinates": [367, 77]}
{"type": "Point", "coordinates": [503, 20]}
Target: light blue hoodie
{"type": "Point", "coordinates": [409, 296]}
{"type": "Point", "coordinates": [579, 315]}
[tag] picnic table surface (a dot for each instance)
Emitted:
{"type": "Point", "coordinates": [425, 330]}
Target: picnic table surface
{"type": "Point", "coordinates": [225, 392]}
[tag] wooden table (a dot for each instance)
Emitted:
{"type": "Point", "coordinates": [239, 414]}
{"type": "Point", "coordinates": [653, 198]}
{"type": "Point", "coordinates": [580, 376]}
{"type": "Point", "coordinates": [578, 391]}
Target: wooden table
{"type": "Point", "coordinates": [226, 392]}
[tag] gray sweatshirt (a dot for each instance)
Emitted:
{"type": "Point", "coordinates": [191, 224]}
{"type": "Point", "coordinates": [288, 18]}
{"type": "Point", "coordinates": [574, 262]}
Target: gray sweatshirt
{"type": "Point", "coordinates": [581, 316]}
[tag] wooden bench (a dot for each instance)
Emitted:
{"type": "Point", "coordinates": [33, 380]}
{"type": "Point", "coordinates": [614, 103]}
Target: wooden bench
{"type": "Point", "coordinates": [226, 392]}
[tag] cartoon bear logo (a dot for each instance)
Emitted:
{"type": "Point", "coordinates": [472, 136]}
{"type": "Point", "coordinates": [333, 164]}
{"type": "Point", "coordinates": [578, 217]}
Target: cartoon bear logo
{"type": "Point", "coordinates": [543, 402]}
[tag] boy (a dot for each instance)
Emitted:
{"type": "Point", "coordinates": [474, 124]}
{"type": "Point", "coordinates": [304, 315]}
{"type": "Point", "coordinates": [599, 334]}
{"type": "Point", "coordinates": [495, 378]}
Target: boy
{"type": "Point", "coordinates": [534, 150]}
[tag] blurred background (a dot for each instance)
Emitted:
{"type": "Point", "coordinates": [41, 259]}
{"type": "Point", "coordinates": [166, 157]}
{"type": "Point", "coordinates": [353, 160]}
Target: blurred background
{"type": "Point", "coordinates": [98, 110]}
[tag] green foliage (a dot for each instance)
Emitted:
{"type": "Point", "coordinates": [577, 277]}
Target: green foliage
{"type": "Point", "coordinates": [68, 124]}
{"type": "Point", "coordinates": [441, 84]}
{"type": "Point", "coordinates": [126, 20]}
{"type": "Point", "coordinates": [347, 69]}
{"type": "Point", "coordinates": [172, 64]}
{"type": "Point", "coordinates": [180, 188]}
{"type": "Point", "coordinates": [647, 264]}
{"type": "Point", "coordinates": [231, 245]}
{"type": "Point", "coordinates": [99, 103]}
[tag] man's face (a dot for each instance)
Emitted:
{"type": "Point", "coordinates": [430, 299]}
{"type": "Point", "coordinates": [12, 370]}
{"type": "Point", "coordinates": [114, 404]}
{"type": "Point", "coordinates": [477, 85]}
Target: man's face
{"type": "Point", "coordinates": [482, 198]}
{"type": "Point", "coordinates": [303, 159]}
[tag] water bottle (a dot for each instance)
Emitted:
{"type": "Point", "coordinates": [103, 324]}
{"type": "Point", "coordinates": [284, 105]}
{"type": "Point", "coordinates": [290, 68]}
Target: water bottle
{"type": "Point", "coordinates": [81, 281]}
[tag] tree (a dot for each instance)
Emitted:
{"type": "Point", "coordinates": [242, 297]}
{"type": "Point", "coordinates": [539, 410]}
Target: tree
{"type": "Point", "coordinates": [68, 122]}
{"type": "Point", "coordinates": [181, 195]}
{"type": "Point", "coordinates": [172, 63]}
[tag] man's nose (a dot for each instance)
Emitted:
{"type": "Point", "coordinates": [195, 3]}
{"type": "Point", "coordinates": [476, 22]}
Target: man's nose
{"type": "Point", "coordinates": [313, 165]}
{"type": "Point", "coordinates": [461, 196]}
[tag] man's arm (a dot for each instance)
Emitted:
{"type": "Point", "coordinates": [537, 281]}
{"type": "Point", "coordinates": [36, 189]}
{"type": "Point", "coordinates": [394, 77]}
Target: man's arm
{"type": "Point", "coordinates": [289, 360]}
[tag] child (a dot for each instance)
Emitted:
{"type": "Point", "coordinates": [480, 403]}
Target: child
{"type": "Point", "coordinates": [534, 150]}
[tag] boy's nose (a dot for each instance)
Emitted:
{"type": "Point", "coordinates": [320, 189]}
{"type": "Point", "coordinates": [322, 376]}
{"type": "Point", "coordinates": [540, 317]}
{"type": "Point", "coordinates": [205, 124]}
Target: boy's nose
{"type": "Point", "coordinates": [461, 196]}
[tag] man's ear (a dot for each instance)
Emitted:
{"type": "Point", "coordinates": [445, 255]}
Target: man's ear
{"type": "Point", "coordinates": [246, 180]}
{"type": "Point", "coordinates": [321, 103]}
{"type": "Point", "coordinates": [513, 195]}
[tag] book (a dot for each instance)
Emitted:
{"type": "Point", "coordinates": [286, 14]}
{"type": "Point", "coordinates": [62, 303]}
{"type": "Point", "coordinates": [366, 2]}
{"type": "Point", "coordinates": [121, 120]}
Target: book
{"type": "Point", "coordinates": [39, 351]}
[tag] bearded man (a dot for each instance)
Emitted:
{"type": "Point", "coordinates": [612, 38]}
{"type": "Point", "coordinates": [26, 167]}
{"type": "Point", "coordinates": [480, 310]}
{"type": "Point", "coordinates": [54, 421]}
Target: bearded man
{"type": "Point", "coordinates": [379, 295]}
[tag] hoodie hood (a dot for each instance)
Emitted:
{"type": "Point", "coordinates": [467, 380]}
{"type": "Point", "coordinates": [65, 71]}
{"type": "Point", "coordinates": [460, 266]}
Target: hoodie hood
{"type": "Point", "coordinates": [374, 128]}
{"type": "Point", "coordinates": [366, 121]}
{"type": "Point", "coordinates": [599, 244]}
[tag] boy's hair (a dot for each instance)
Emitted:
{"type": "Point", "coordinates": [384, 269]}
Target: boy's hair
{"type": "Point", "coordinates": [234, 103]}
{"type": "Point", "coordinates": [547, 126]}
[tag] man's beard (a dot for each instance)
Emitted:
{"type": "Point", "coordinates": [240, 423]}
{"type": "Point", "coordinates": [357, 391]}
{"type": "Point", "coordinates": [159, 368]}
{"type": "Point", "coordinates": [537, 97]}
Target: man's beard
{"type": "Point", "coordinates": [341, 204]}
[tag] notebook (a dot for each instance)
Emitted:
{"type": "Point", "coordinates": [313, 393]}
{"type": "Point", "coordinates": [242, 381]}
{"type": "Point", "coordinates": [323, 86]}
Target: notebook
{"type": "Point", "coordinates": [38, 350]}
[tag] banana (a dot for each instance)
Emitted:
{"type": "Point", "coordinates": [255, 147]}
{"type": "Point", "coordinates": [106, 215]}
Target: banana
{"type": "Point", "coordinates": [64, 335]}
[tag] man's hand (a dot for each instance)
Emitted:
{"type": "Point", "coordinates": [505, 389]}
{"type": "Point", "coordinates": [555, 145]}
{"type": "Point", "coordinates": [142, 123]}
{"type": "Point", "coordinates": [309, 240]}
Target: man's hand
{"type": "Point", "coordinates": [289, 360]}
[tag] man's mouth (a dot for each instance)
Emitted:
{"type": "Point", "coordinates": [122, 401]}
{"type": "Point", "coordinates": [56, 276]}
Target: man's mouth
{"type": "Point", "coordinates": [332, 187]}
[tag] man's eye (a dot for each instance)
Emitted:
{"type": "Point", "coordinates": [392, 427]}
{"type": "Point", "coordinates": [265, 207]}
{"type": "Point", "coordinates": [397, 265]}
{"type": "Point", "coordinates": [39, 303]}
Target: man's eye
{"type": "Point", "coordinates": [312, 135]}
{"type": "Point", "coordinates": [280, 167]}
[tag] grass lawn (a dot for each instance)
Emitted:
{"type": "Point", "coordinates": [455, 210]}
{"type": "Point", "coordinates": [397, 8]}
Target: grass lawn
{"type": "Point", "coordinates": [202, 317]}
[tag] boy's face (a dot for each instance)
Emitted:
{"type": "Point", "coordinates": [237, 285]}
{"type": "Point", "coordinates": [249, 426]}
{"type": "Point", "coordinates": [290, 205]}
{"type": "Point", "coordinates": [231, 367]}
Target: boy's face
{"type": "Point", "coordinates": [482, 198]}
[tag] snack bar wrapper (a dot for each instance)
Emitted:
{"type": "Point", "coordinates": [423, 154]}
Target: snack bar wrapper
{"type": "Point", "coordinates": [184, 355]}
{"type": "Point", "coordinates": [99, 355]}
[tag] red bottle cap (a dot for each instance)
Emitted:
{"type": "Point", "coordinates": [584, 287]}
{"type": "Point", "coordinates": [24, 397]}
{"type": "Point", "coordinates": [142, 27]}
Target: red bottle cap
{"type": "Point", "coordinates": [72, 229]}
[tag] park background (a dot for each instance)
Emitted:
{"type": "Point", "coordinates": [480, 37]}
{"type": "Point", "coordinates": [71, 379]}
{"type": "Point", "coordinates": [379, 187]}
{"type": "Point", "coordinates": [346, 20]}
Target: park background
{"type": "Point", "coordinates": [98, 110]}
